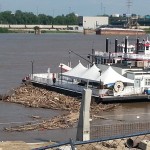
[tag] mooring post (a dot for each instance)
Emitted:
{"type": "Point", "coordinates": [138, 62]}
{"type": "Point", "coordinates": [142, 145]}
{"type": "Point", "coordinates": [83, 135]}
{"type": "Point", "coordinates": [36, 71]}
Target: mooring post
{"type": "Point", "coordinates": [83, 130]}
{"type": "Point", "coordinates": [48, 75]}
{"type": "Point", "coordinates": [32, 62]}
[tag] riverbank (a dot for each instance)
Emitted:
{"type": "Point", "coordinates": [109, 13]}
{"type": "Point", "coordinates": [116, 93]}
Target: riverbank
{"type": "Point", "coordinates": [35, 97]}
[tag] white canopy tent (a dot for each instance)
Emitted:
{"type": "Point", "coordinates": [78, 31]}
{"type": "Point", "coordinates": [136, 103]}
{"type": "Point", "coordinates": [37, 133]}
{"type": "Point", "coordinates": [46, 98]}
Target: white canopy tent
{"type": "Point", "coordinates": [76, 72]}
{"type": "Point", "coordinates": [91, 73]}
{"type": "Point", "coordinates": [111, 76]}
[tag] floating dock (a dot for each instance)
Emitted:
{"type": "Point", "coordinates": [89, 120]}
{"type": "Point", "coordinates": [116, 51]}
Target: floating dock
{"type": "Point", "coordinates": [100, 99]}
{"type": "Point", "coordinates": [129, 99]}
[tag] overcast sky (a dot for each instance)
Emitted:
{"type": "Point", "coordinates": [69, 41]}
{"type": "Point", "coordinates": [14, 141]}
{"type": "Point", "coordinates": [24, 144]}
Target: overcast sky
{"type": "Point", "coordinates": [80, 7]}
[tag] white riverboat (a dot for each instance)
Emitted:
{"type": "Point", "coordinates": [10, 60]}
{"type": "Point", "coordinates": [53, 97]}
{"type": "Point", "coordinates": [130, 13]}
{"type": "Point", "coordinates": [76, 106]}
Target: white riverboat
{"type": "Point", "coordinates": [137, 52]}
{"type": "Point", "coordinates": [115, 76]}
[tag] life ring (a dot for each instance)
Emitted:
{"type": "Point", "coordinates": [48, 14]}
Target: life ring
{"type": "Point", "coordinates": [119, 86]}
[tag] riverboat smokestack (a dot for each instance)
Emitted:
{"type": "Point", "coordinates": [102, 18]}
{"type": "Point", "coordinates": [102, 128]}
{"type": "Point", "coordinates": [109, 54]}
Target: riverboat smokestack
{"type": "Point", "coordinates": [126, 42]}
{"type": "Point", "coordinates": [116, 43]}
{"type": "Point", "coordinates": [107, 40]}
{"type": "Point", "coordinates": [137, 45]}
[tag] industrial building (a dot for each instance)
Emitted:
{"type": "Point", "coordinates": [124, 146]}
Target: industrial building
{"type": "Point", "coordinates": [88, 22]}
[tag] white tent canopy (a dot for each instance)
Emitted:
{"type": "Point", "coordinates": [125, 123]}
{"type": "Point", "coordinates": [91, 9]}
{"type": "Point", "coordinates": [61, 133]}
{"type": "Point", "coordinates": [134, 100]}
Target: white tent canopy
{"type": "Point", "coordinates": [111, 76]}
{"type": "Point", "coordinates": [76, 72]}
{"type": "Point", "coordinates": [91, 74]}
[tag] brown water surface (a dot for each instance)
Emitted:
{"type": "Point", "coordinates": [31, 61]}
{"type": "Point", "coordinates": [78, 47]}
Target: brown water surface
{"type": "Point", "coordinates": [48, 50]}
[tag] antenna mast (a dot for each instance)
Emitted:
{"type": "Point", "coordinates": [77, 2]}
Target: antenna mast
{"type": "Point", "coordinates": [129, 4]}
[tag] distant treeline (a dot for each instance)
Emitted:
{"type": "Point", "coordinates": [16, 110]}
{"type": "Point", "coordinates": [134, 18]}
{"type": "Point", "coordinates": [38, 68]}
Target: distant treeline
{"type": "Point", "coordinates": [4, 30]}
{"type": "Point", "coordinates": [19, 17]}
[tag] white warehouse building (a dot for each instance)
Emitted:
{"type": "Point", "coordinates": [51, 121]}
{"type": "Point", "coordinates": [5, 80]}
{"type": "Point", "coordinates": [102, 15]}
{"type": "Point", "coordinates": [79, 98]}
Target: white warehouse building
{"type": "Point", "coordinates": [92, 22]}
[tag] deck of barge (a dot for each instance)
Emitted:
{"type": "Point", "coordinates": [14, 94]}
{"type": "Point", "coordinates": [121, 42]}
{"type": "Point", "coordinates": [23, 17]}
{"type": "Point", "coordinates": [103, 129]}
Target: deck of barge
{"type": "Point", "coordinates": [104, 99]}
{"type": "Point", "coordinates": [127, 98]}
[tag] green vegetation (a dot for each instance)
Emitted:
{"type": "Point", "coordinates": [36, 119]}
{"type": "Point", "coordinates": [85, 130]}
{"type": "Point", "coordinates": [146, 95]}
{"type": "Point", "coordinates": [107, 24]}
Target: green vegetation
{"type": "Point", "coordinates": [19, 17]}
{"type": "Point", "coordinates": [147, 30]}
{"type": "Point", "coordinates": [4, 30]}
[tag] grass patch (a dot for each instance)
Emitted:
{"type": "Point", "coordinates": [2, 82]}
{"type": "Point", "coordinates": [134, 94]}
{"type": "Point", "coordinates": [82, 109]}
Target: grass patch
{"type": "Point", "coordinates": [147, 30]}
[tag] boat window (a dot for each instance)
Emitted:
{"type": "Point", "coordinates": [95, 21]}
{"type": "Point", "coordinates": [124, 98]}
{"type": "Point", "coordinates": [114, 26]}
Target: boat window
{"type": "Point", "coordinates": [147, 81]}
{"type": "Point", "coordinates": [142, 47]}
{"type": "Point", "coordinates": [147, 47]}
{"type": "Point", "coordinates": [132, 49]}
{"type": "Point", "coordinates": [120, 49]}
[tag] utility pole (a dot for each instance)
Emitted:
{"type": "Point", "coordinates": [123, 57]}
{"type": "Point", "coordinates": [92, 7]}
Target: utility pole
{"type": "Point", "coordinates": [101, 8]}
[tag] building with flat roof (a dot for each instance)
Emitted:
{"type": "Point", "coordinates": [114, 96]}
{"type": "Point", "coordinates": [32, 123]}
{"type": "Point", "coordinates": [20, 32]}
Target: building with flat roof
{"type": "Point", "coordinates": [88, 22]}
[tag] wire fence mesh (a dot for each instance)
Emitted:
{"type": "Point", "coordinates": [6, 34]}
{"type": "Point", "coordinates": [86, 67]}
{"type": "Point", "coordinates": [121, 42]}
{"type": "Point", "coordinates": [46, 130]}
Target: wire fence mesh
{"type": "Point", "coordinates": [122, 136]}
{"type": "Point", "coordinates": [101, 131]}
{"type": "Point", "coordinates": [133, 141]}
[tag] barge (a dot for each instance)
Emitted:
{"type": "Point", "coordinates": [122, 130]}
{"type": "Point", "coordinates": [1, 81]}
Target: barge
{"type": "Point", "coordinates": [119, 31]}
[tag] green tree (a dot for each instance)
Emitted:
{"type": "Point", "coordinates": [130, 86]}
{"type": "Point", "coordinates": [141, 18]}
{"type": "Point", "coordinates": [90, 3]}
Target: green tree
{"type": "Point", "coordinates": [19, 17]}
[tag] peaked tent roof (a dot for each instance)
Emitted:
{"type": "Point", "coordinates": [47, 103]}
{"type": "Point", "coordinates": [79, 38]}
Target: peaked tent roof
{"type": "Point", "coordinates": [91, 74]}
{"type": "Point", "coordinates": [111, 76]}
{"type": "Point", "coordinates": [76, 72]}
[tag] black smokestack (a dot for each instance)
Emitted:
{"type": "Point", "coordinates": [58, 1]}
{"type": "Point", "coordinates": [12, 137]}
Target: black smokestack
{"type": "Point", "coordinates": [126, 42]}
{"type": "Point", "coordinates": [107, 45]}
{"type": "Point", "coordinates": [116, 43]}
{"type": "Point", "coordinates": [137, 45]}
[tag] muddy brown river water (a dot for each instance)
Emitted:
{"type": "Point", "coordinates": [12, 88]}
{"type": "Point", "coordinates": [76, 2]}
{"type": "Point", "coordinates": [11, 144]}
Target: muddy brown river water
{"type": "Point", "coordinates": [17, 51]}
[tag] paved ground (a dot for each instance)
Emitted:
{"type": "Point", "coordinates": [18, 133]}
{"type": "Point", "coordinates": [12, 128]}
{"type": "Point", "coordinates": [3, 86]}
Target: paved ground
{"type": "Point", "coordinates": [20, 145]}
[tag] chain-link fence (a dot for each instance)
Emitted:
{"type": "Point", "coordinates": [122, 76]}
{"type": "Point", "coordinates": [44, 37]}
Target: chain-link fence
{"type": "Point", "coordinates": [121, 136]}
{"type": "Point", "coordinates": [107, 130]}
{"type": "Point", "coordinates": [133, 141]}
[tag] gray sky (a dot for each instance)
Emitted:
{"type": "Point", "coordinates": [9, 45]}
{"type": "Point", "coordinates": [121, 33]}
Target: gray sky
{"type": "Point", "coordinates": [80, 7]}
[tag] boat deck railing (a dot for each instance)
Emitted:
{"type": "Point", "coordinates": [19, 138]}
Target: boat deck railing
{"type": "Point", "coordinates": [73, 86]}
{"type": "Point", "coordinates": [123, 55]}
{"type": "Point", "coordinates": [64, 84]}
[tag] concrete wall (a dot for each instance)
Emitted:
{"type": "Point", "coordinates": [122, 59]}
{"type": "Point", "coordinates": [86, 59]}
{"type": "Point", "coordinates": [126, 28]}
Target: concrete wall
{"type": "Point", "coordinates": [23, 26]}
{"type": "Point", "coordinates": [94, 22]}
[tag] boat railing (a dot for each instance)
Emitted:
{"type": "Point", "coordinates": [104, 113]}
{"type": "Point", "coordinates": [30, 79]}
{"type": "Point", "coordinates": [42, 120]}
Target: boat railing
{"type": "Point", "coordinates": [138, 56]}
{"type": "Point", "coordinates": [78, 88]}
{"type": "Point", "coordinates": [72, 86]}
{"type": "Point", "coordinates": [64, 84]}
{"type": "Point", "coordinates": [130, 90]}
{"type": "Point", "coordinates": [40, 79]}
{"type": "Point", "coordinates": [123, 55]}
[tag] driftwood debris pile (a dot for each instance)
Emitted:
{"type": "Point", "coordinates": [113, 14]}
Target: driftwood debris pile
{"type": "Point", "coordinates": [62, 121]}
{"type": "Point", "coordinates": [31, 96]}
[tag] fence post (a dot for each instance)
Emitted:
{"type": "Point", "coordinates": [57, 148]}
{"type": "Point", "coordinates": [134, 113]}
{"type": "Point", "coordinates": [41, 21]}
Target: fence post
{"type": "Point", "coordinates": [72, 144]}
{"type": "Point", "coordinates": [83, 129]}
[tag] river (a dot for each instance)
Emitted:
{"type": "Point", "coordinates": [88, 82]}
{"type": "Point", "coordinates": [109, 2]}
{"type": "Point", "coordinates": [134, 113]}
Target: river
{"type": "Point", "coordinates": [17, 51]}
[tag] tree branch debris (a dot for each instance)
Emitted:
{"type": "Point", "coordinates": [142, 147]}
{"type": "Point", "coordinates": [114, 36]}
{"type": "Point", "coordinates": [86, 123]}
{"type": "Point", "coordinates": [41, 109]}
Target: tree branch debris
{"type": "Point", "coordinates": [31, 96]}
